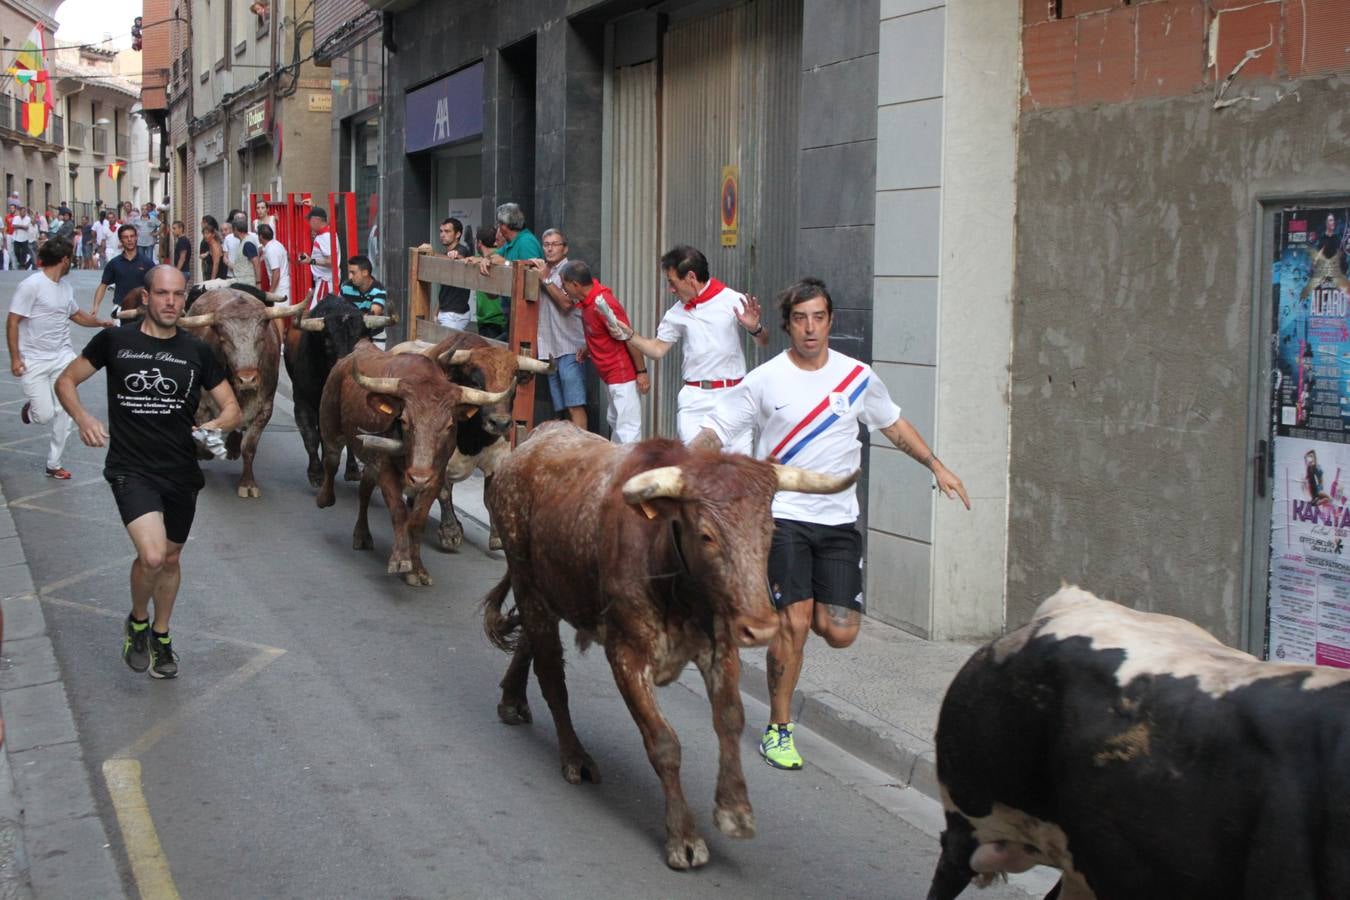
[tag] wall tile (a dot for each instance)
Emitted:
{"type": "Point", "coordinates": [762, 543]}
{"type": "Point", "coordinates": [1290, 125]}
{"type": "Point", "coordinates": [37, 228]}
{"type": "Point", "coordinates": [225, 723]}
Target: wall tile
{"type": "Point", "coordinates": [907, 236]}
{"type": "Point", "coordinates": [841, 184]}
{"type": "Point", "coordinates": [829, 36]}
{"type": "Point", "coordinates": [910, 61]}
{"type": "Point", "coordinates": [905, 320]}
{"type": "Point", "coordinates": [909, 145]}
{"type": "Point", "coordinates": [899, 582]}
{"type": "Point", "coordinates": [900, 495]}
{"type": "Point", "coordinates": [839, 103]}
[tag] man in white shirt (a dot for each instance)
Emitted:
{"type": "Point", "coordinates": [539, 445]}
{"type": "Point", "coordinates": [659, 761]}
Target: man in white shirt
{"type": "Point", "coordinates": [561, 332]}
{"type": "Point", "coordinates": [38, 333]}
{"type": "Point", "coordinates": [320, 255]}
{"type": "Point", "coordinates": [708, 320]}
{"type": "Point", "coordinates": [23, 234]}
{"type": "Point", "coordinates": [807, 403]}
{"type": "Point", "coordinates": [278, 269]}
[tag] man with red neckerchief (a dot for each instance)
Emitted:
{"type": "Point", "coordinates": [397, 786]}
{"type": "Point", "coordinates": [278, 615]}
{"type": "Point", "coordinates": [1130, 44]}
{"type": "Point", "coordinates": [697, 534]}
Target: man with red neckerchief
{"type": "Point", "coordinates": [708, 319]}
{"type": "Point", "coordinates": [320, 256]}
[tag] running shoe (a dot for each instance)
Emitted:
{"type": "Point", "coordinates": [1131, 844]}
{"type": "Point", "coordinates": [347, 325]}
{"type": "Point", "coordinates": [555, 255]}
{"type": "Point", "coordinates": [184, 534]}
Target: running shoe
{"type": "Point", "coordinates": [135, 648]}
{"type": "Point", "coordinates": [26, 414]}
{"type": "Point", "coordinates": [778, 748]}
{"type": "Point", "coordinates": [59, 473]}
{"type": "Point", "coordinates": [166, 661]}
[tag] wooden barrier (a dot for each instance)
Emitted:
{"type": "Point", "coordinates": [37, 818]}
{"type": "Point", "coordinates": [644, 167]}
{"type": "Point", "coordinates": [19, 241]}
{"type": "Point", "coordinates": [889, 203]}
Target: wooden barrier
{"type": "Point", "coordinates": [514, 281]}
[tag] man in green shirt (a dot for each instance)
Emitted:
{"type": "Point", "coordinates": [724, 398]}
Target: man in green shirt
{"type": "Point", "coordinates": [515, 242]}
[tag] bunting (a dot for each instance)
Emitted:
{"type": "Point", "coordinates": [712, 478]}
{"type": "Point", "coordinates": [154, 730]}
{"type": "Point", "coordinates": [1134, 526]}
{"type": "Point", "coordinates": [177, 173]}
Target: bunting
{"type": "Point", "coordinates": [34, 82]}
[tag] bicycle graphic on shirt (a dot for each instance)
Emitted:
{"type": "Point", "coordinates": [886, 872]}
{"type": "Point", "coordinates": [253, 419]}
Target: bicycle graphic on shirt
{"type": "Point", "coordinates": [153, 380]}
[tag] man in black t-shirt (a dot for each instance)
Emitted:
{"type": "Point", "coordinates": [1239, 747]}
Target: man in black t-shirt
{"type": "Point", "coordinates": [156, 374]}
{"type": "Point", "coordinates": [123, 272]}
{"type": "Point", "coordinates": [182, 250]}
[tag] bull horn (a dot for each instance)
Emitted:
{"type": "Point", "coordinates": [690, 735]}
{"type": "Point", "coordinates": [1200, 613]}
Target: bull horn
{"type": "Point", "coordinates": [312, 324]}
{"type": "Point", "coordinates": [283, 312]}
{"type": "Point", "coordinates": [455, 357]}
{"type": "Point", "coordinates": [475, 397]}
{"type": "Point", "coordinates": [666, 481]}
{"type": "Point", "coordinates": [128, 314]}
{"type": "Point", "coordinates": [380, 444]}
{"type": "Point", "coordinates": [374, 322]}
{"type": "Point", "coordinates": [538, 366]}
{"type": "Point", "coordinates": [202, 321]}
{"type": "Point", "coordinates": [377, 385]}
{"type": "Point", "coordinates": [276, 298]}
{"type": "Point", "coordinates": [804, 481]}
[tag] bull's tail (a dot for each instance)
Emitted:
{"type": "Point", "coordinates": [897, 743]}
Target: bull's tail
{"type": "Point", "coordinates": [501, 629]}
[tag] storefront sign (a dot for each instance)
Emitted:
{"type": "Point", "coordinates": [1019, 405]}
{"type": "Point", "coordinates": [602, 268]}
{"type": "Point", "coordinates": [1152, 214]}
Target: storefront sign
{"type": "Point", "coordinates": [320, 102]}
{"type": "Point", "coordinates": [444, 111]}
{"type": "Point", "coordinates": [1310, 527]}
{"type": "Point", "coordinates": [255, 121]}
{"type": "Point", "coordinates": [730, 203]}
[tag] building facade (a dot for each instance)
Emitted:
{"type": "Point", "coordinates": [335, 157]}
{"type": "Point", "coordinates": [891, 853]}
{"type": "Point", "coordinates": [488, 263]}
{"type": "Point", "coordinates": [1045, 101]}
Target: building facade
{"type": "Point", "coordinates": [104, 159]}
{"type": "Point", "coordinates": [30, 166]}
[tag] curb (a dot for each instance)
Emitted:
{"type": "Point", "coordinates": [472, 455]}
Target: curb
{"type": "Point", "coordinates": [52, 841]}
{"type": "Point", "coordinates": [908, 757]}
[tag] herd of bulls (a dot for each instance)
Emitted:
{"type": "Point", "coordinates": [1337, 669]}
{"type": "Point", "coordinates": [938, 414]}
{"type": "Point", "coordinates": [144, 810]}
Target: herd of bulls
{"type": "Point", "coordinates": [1132, 751]}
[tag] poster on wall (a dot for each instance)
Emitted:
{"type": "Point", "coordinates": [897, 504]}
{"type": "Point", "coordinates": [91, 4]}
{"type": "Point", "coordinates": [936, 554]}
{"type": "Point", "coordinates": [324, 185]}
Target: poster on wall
{"type": "Point", "coordinates": [1309, 598]}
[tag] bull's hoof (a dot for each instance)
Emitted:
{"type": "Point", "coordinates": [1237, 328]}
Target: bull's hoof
{"type": "Point", "coordinates": [514, 713]}
{"type": "Point", "coordinates": [686, 852]}
{"type": "Point", "coordinates": [361, 540]}
{"type": "Point", "coordinates": [580, 767]}
{"type": "Point", "coordinates": [450, 535]}
{"type": "Point", "coordinates": [420, 578]}
{"type": "Point", "coordinates": [246, 491]}
{"type": "Point", "coordinates": [352, 473]}
{"type": "Point", "coordinates": [399, 566]}
{"type": "Point", "coordinates": [494, 542]}
{"type": "Point", "coordinates": [325, 498]}
{"type": "Point", "coordinates": [315, 475]}
{"type": "Point", "coordinates": [737, 822]}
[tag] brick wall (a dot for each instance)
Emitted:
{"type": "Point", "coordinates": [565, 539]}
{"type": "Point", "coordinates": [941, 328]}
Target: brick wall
{"type": "Point", "coordinates": [1079, 52]}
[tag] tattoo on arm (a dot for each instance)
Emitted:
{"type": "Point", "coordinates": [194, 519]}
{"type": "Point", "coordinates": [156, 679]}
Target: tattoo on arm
{"type": "Point", "coordinates": [843, 616]}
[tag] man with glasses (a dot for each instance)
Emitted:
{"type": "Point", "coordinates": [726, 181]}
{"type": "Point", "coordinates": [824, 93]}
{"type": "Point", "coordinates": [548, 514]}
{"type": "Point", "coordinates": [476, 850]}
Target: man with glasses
{"type": "Point", "coordinates": [561, 332]}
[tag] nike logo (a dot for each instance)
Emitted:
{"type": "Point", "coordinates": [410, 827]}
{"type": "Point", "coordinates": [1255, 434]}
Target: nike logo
{"type": "Point", "coordinates": [777, 408]}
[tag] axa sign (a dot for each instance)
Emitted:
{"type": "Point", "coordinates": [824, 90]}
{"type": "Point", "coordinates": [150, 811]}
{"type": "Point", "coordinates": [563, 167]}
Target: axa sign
{"type": "Point", "coordinates": [447, 110]}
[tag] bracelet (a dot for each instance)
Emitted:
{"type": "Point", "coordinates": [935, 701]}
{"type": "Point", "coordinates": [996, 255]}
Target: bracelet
{"type": "Point", "coordinates": [642, 371]}
{"type": "Point", "coordinates": [757, 331]}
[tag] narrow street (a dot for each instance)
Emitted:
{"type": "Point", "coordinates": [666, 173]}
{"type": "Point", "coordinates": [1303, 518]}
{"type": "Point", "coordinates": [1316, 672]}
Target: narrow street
{"type": "Point", "coordinates": [333, 732]}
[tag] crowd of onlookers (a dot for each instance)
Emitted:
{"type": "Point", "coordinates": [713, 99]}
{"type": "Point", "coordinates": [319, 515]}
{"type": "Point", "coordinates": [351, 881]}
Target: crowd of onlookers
{"type": "Point", "coordinates": [94, 241]}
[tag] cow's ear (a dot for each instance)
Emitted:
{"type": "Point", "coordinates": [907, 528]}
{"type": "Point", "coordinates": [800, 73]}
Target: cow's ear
{"type": "Point", "coordinates": [662, 508]}
{"type": "Point", "coordinates": [524, 377]}
{"type": "Point", "coordinates": [465, 411]}
{"type": "Point", "coordinates": [384, 405]}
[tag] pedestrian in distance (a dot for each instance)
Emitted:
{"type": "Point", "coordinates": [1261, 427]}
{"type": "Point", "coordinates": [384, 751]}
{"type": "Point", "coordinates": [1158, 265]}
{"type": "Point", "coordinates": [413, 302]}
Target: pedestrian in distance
{"type": "Point", "coordinates": [708, 318]}
{"type": "Point", "coordinates": [124, 272]}
{"type": "Point", "coordinates": [156, 373]}
{"type": "Point", "coordinates": [23, 231]}
{"type": "Point", "coordinates": [561, 331]}
{"type": "Point", "coordinates": [277, 264]}
{"type": "Point", "coordinates": [246, 262]}
{"type": "Point", "coordinates": [38, 333]}
{"type": "Point", "coordinates": [211, 250]}
{"type": "Point", "coordinates": [806, 405]}
{"type": "Point", "coordinates": [489, 317]}
{"type": "Point", "coordinates": [618, 364]}
{"type": "Point", "coordinates": [452, 303]}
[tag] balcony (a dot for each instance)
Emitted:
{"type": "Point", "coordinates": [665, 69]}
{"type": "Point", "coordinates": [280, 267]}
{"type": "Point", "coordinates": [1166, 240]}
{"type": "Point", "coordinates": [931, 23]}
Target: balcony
{"type": "Point", "coordinates": [123, 145]}
{"type": "Point", "coordinates": [100, 140]}
{"type": "Point", "coordinates": [56, 131]}
{"type": "Point", "coordinates": [11, 120]}
{"type": "Point", "coordinates": [79, 136]}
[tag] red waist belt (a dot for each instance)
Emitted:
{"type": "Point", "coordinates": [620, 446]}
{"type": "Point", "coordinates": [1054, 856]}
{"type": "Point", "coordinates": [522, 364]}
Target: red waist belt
{"type": "Point", "coordinates": [713, 385]}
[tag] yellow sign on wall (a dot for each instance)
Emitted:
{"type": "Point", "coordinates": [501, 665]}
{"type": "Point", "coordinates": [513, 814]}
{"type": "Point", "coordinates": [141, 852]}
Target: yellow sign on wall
{"type": "Point", "coordinates": [730, 204]}
{"type": "Point", "coordinates": [320, 102]}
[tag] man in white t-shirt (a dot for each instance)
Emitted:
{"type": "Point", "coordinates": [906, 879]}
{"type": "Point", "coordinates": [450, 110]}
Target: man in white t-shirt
{"type": "Point", "coordinates": [38, 333]}
{"type": "Point", "coordinates": [278, 267]}
{"type": "Point", "coordinates": [708, 320]}
{"type": "Point", "coordinates": [23, 239]}
{"type": "Point", "coordinates": [320, 256]}
{"type": "Point", "coordinates": [807, 403]}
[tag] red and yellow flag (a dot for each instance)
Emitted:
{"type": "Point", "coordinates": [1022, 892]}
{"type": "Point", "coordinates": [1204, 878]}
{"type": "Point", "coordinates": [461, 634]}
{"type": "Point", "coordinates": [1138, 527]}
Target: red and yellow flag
{"type": "Point", "coordinates": [115, 169]}
{"type": "Point", "coordinates": [34, 82]}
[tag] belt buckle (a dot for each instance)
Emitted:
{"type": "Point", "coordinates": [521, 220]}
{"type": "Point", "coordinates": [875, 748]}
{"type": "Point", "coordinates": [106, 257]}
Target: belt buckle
{"type": "Point", "coordinates": [706, 384]}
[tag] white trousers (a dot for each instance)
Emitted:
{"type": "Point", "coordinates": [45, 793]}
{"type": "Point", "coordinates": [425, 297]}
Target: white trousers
{"type": "Point", "coordinates": [39, 386]}
{"type": "Point", "coordinates": [457, 321]}
{"type": "Point", "coordinates": [693, 405]}
{"type": "Point", "coordinates": [625, 413]}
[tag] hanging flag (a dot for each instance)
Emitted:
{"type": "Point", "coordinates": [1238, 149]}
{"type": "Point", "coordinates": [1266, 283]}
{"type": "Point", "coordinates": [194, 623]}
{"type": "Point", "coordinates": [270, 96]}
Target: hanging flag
{"type": "Point", "coordinates": [115, 169]}
{"type": "Point", "coordinates": [35, 84]}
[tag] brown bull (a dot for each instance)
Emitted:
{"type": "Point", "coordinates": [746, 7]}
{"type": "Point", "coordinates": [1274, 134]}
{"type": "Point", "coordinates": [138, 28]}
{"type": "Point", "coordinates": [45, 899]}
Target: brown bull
{"type": "Point", "coordinates": [401, 410]}
{"type": "Point", "coordinates": [238, 327]}
{"type": "Point", "coordinates": [660, 554]}
{"type": "Point", "coordinates": [482, 441]}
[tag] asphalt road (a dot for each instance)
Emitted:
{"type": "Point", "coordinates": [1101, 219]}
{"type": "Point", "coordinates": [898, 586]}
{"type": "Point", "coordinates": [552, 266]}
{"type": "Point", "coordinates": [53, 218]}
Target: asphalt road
{"type": "Point", "coordinates": [333, 732]}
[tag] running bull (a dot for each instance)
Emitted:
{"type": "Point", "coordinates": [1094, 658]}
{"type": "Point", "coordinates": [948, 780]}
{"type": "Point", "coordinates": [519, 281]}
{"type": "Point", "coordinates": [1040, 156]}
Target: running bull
{"type": "Point", "coordinates": [482, 441]}
{"type": "Point", "coordinates": [1144, 759]}
{"type": "Point", "coordinates": [327, 333]}
{"type": "Point", "coordinates": [238, 327]}
{"type": "Point", "coordinates": [401, 410]}
{"type": "Point", "coordinates": [658, 553]}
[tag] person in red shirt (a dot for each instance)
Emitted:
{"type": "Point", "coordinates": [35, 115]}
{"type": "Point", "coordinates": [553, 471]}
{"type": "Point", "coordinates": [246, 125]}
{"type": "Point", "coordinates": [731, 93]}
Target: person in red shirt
{"type": "Point", "coordinates": [619, 365]}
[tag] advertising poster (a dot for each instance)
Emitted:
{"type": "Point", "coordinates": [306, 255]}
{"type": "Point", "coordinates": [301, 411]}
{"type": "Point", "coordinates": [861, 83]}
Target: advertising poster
{"type": "Point", "coordinates": [1310, 527]}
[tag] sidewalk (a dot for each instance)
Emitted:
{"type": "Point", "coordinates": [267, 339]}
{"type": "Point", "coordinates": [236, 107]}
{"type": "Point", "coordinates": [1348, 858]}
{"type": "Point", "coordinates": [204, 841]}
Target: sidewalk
{"type": "Point", "coordinates": [877, 699]}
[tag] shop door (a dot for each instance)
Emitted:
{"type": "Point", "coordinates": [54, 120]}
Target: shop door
{"type": "Point", "coordinates": [1305, 459]}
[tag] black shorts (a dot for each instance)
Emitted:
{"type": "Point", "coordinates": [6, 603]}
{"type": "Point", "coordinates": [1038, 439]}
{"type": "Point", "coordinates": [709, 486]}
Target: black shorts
{"type": "Point", "coordinates": [138, 493]}
{"type": "Point", "coordinates": [815, 562]}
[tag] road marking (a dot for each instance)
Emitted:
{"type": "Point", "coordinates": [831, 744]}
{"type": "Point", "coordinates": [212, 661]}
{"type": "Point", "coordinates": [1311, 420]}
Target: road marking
{"type": "Point", "coordinates": [148, 865]}
{"type": "Point", "coordinates": [87, 573]}
{"type": "Point", "coordinates": [28, 440]}
{"type": "Point", "coordinates": [58, 512]}
{"type": "Point", "coordinates": [56, 490]}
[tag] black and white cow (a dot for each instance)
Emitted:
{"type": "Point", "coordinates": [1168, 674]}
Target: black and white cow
{"type": "Point", "coordinates": [1145, 760]}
